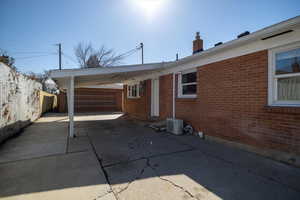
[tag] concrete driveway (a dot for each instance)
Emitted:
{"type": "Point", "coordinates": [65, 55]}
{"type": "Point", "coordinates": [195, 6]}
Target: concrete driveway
{"type": "Point", "coordinates": [113, 158]}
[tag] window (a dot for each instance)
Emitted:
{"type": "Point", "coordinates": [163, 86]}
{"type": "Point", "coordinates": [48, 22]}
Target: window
{"type": "Point", "coordinates": [133, 91]}
{"type": "Point", "coordinates": [284, 76]}
{"type": "Point", "coordinates": [187, 84]}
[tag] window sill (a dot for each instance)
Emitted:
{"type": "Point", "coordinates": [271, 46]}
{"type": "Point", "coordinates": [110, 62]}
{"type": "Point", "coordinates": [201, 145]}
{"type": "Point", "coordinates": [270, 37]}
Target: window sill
{"type": "Point", "coordinates": [133, 97]}
{"type": "Point", "coordinates": [187, 96]}
{"type": "Point", "coordinates": [284, 105]}
{"type": "Point", "coordinates": [283, 108]}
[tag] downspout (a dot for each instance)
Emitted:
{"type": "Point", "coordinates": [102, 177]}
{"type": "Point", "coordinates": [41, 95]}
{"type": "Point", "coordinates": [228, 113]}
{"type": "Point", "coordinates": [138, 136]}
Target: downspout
{"type": "Point", "coordinates": [173, 88]}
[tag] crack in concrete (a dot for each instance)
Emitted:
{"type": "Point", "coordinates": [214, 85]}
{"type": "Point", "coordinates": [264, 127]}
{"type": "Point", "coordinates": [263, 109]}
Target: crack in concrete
{"type": "Point", "coordinates": [101, 196]}
{"type": "Point", "coordinates": [102, 167]}
{"type": "Point", "coordinates": [148, 165]}
{"type": "Point", "coordinates": [152, 156]}
{"type": "Point", "coordinates": [136, 178]}
{"type": "Point", "coordinates": [171, 182]}
{"type": "Point", "coordinates": [250, 171]}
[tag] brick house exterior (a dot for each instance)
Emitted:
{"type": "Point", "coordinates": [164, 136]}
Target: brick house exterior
{"type": "Point", "coordinates": [233, 108]}
{"type": "Point", "coordinates": [231, 103]}
{"type": "Point", "coordinates": [139, 107]}
{"type": "Point", "coordinates": [244, 92]}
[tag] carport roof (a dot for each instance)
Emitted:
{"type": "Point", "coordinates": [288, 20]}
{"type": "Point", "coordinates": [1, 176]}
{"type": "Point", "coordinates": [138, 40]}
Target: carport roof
{"type": "Point", "coordinates": [105, 75]}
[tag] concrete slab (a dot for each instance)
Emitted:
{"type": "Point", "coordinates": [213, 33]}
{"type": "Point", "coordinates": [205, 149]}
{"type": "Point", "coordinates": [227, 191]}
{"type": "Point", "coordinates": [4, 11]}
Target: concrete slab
{"type": "Point", "coordinates": [119, 141]}
{"type": "Point", "coordinates": [191, 175]}
{"type": "Point", "coordinates": [255, 163]}
{"type": "Point", "coordinates": [195, 170]}
{"type": "Point", "coordinates": [140, 164]}
{"type": "Point", "coordinates": [69, 176]}
{"type": "Point", "coordinates": [78, 144]}
{"type": "Point", "coordinates": [136, 180]}
{"type": "Point", "coordinates": [46, 136]}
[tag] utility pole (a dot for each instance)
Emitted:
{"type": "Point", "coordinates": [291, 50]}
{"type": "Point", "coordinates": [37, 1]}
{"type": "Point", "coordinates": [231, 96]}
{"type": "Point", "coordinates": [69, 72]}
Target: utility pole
{"type": "Point", "coordinates": [176, 56]}
{"type": "Point", "coordinates": [142, 47]}
{"type": "Point", "coordinates": [59, 55]}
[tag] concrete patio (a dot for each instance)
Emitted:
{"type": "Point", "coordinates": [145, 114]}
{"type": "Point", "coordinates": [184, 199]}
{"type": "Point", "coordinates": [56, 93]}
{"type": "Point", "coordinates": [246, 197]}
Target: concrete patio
{"type": "Point", "coordinates": [114, 158]}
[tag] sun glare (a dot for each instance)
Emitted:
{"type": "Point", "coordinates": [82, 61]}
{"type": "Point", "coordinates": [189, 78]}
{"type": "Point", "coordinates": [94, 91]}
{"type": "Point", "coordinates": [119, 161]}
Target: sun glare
{"type": "Point", "coordinates": [150, 8]}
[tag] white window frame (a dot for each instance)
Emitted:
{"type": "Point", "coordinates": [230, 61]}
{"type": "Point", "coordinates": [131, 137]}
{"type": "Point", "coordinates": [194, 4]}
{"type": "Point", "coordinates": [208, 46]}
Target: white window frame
{"type": "Point", "coordinates": [129, 92]}
{"type": "Point", "coordinates": [273, 78]}
{"type": "Point", "coordinates": [180, 85]}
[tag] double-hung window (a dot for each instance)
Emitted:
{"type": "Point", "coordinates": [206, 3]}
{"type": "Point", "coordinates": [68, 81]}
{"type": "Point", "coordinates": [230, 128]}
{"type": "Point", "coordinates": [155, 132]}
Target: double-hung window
{"type": "Point", "coordinates": [284, 76]}
{"type": "Point", "coordinates": [187, 84]}
{"type": "Point", "coordinates": [133, 91]}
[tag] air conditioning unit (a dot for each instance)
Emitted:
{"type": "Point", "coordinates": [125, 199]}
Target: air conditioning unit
{"type": "Point", "coordinates": [175, 126]}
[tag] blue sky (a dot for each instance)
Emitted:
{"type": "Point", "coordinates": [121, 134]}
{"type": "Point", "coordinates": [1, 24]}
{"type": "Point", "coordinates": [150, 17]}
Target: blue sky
{"type": "Point", "coordinates": [30, 28]}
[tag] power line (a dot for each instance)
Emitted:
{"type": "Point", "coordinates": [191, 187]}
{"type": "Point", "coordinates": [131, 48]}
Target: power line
{"type": "Point", "coordinates": [37, 56]}
{"type": "Point", "coordinates": [130, 52]}
{"type": "Point", "coordinates": [69, 57]}
{"type": "Point", "coordinates": [32, 52]}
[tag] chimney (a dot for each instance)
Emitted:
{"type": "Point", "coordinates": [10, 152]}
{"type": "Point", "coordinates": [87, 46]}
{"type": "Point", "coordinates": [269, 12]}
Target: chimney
{"type": "Point", "coordinates": [197, 44]}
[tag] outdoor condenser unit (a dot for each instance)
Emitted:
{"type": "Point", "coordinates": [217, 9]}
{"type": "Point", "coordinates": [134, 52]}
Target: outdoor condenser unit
{"type": "Point", "coordinates": [175, 126]}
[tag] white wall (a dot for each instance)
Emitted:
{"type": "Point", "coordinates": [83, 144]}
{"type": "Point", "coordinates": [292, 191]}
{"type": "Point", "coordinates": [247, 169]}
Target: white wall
{"type": "Point", "coordinates": [19, 101]}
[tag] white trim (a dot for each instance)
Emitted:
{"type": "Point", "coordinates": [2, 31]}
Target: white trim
{"type": "Point", "coordinates": [273, 78]}
{"type": "Point", "coordinates": [173, 96]}
{"type": "Point", "coordinates": [105, 70]}
{"type": "Point", "coordinates": [180, 85]}
{"type": "Point", "coordinates": [71, 106]}
{"type": "Point", "coordinates": [155, 97]}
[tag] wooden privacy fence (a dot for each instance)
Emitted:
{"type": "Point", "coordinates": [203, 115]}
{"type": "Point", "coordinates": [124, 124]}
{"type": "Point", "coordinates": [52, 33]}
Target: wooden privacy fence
{"type": "Point", "coordinates": [93, 100]}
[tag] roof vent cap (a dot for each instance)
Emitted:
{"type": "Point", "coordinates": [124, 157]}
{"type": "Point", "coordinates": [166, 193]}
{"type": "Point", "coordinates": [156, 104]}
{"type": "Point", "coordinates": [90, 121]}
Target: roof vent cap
{"type": "Point", "coordinates": [243, 34]}
{"type": "Point", "coordinates": [219, 43]}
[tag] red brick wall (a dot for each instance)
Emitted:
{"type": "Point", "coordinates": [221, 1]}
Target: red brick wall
{"type": "Point", "coordinates": [231, 104]}
{"type": "Point", "coordinates": [139, 107]}
{"type": "Point", "coordinates": [165, 96]}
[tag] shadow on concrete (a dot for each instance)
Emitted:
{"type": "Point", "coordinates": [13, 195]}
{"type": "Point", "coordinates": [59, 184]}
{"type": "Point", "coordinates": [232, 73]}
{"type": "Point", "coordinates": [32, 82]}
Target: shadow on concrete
{"type": "Point", "coordinates": [13, 130]}
{"type": "Point", "coordinates": [134, 160]}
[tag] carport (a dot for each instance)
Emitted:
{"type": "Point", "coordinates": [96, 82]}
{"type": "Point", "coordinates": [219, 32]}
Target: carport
{"type": "Point", "coordinates": [70, 79]}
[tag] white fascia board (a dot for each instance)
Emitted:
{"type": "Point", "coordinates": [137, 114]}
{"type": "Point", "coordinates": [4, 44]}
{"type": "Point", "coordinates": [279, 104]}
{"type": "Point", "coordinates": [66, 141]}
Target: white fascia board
{"type": "Point", "coordinates": [265, 32]}
{"type": "Point", "coordinates": [105, 70]}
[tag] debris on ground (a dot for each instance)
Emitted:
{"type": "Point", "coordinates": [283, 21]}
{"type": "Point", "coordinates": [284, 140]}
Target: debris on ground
{"type": "Point", "coordinates": [188, 129]}
{"type": "Point", "coordinates": [158, 126]}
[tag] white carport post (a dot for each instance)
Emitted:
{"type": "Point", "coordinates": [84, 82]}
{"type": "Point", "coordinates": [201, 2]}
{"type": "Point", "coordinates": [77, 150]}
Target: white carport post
{"type": "Point", "coordinates": [70, 96]}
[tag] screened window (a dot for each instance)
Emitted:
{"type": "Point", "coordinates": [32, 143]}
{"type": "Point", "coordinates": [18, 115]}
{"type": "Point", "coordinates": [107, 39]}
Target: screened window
{"type": "Point", "coordinates": [285, 77]}
{"type": "Point", "coordinates": [187, 83]}
{"type": "Point", "coordinates": [133, 91]}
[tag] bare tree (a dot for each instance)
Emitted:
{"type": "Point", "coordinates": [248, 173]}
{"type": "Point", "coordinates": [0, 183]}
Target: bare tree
{"type": "Point", "coordinates": [6, 59]}
{"type": "Point", "coordinates": [88, 57]}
